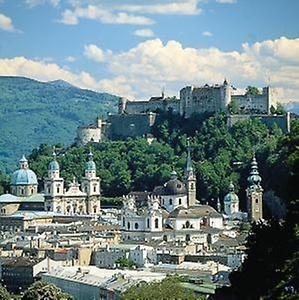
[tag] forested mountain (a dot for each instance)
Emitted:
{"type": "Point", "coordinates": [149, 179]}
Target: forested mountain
{"type": "Point", "coordinates": [33, 112]}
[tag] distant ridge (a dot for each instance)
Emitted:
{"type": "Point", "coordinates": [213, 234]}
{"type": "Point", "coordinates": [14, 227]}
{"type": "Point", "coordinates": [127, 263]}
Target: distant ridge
{"type": "Point", "coordinates": [61, 83]}
{"type": "Point", "coordinates": [34, 112]}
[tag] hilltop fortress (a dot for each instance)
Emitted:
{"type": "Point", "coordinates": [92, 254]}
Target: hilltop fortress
{"type": "Point", "coordinates": [135, 118]}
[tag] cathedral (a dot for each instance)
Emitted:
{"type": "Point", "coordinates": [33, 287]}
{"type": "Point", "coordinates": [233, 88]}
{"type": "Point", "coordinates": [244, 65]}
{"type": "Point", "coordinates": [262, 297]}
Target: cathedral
{"type": "Point", "coordinates": [77, 199]}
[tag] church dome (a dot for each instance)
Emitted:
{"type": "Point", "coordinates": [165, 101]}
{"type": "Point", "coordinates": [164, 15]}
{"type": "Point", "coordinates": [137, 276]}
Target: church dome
{"type": "Point", "coordinates": [23, 176]}
{"type": "Point", "coordinates": [175, 187]}
{"type": "Point", "coordinates": [53, 166]}
{"type": "Point", "coordinates": [231, 197]}
{"type": "Point", "coordinates": [90, 165]}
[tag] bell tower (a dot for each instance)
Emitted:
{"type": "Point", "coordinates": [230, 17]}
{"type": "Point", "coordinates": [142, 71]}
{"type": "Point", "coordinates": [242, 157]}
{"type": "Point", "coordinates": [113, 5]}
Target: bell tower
{"type": "Point", "coordinates": [254, 193]}
{"type": "Point", "coordinates": [190, 180]}
{"type": "Point", "coordinates": [91, 186]}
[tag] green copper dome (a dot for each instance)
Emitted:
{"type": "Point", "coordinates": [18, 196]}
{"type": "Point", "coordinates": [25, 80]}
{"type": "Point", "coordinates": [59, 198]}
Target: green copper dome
{"type": "Point", "coordinates": [254, 177]}
{"type": "Point", "coordinates": [53, 165]}
{"type": "Point", "coordinates": [231, 197]}
{"type": "Point", "coordinates": [90, 165]}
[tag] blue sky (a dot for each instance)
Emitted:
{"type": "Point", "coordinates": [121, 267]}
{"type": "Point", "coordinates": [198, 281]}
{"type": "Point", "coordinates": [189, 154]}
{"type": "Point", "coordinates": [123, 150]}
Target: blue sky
{"type": "Point", "coordinates": [135, 48]}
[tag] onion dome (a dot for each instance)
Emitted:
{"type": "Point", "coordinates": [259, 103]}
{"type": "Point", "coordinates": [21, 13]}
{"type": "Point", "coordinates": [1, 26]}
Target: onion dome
{"type": "Point", "coordinates": [231, 197]}
{"type": "Point", "coordinates": [254, 177]}
{"type": "Point", "coordinates": [90, 165]}
{"type": "Point", "coordinates": [53, 165]}
{"type": "Point", "coordinates": [23, 176]}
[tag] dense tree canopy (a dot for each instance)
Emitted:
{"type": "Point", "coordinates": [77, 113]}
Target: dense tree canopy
{"type": "Point", "coordinates": [220, 155]}
{"type": "Point", "coordinates": [45, 291]}
{"type": "Point", "coordinates": [169, 288]}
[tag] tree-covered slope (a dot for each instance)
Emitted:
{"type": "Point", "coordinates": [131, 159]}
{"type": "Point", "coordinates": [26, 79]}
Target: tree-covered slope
{"type": "Point", "coordinates": [33, 112]}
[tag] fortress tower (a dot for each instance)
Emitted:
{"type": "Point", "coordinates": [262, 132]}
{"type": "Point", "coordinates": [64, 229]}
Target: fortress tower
{"type": "Point", "coordinates": [225, 95]}
{"type": "Point", "coordinates": [122, 103]}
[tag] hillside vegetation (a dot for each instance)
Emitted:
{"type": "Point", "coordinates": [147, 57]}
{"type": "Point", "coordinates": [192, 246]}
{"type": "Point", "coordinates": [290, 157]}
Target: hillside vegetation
{"type": "Point", "coordinates": [33, 112]}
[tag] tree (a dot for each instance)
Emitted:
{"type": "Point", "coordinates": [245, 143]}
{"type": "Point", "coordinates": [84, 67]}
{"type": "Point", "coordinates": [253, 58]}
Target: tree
{"type": "Point", "coordinates": [280, 110]}
{"type": "Point", "coordinates": [125, 263]}
{"type": "Point", "coordinates": [4, 294]}
{"type": "Point", "coordinates": [252, 90]}
{"type": "Point", "coordinates": [45, 291]}
{"type": "Point", "coordinates": [169, 288]}
{"type": "Point", "coordinates": [233, 107]}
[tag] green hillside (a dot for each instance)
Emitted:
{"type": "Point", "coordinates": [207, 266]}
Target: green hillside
{"type": "Point", "coordinates": [33, 112]}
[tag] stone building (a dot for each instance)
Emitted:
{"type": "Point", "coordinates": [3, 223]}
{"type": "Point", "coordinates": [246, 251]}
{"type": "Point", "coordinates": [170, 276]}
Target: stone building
{"type": "Point", "coordinates": [254, 193]}
{"type": "Point", "coordinates": [77, 199]}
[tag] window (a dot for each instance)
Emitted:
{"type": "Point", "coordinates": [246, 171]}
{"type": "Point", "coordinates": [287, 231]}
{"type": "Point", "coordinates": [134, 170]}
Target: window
{"type": "Point", "coordinates": [124, 222]}
{"type": "Point", "coordinates": [256, 200]}
{"type": "Point", "coordinates": [156, 223]}
{"type": "Point", "coordinates": [180, 201]}
{"type": "Point", "coordinates": [187, 224]}
{"type": "Point", "coordinates": [192, 186]}
{"type": "Point", "coordinates": [94, 189]}
{"type": "Point", "coordinates": [94, 209]}
{"type": "Point", "coordinates": [58, 190]}
{"type": "Point", "coordinates": [148, 223]}
{"type": "Point", "coordinates": [128, 225]}
{"type": "Point", "coordinates": [136, 226]}
{"type": "Point", "coordinates": [170, 201]}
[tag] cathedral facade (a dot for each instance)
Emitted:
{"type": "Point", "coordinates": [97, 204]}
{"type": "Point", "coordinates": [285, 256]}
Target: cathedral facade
{"type": "Point", "coordinates": [82, 199]}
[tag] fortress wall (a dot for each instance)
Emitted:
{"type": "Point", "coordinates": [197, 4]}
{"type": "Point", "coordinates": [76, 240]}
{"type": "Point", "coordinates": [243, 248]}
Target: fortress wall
{"type": "Point", "coordinates": [137, 107]}
{"type": "Point", "coordinates": [283, 122]}
{"type": "Point", "coordinates": [124, 126]}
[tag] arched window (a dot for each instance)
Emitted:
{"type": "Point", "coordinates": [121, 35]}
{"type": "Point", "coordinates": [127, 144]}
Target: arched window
{"type": "Point", "coordinates": [128, 225]}
{"type": "Point", "coordinates": [188, 238]}
{"type": "Point", "coordinates": [94, 188]}
{"type": "Point", "coordinates": [124, 222]}
{"type": "Point", "coordinates": [156, 223]}
{"type": "Point", "coordinates": [170, 201]}
{"type": "Point", "coordinates": [58, 190]}
{"type": "Point", "coordinates": [180, 201]}
{"type": "Point", "coordinates": [187, 224]}
{"type": "Point", "coordinates": [192, 186]}
{"type": "Point", "coordinates": [148, 223]}
{"type": "Point", "coordinates": [136, 226]}
{"type": "Point", "coordinates": [94, 209]}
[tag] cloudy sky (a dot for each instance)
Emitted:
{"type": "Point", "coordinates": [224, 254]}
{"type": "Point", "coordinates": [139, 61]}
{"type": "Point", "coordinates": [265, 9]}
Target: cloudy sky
{"type": "Point", "coordinates": [136, 48]}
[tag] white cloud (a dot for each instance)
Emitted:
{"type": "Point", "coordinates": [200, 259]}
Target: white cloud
{"type": "Point", "coordinates": [33, 3]}
{"type": "Point", "coordinates": [70, 59]}
{"type": "Point", "coordinates": [207, 33]}
{"type": "Point", "coordinates": [6, 23]}
{"type": "Point", "coordinates": [143, 70]}
{"type": "Point", "coordinates": [187, 7]}
{"type": "Point", "coordinates": [103, 15]}
{"type": "Point", "coordinates": [226, 1]}
{"type": "Point", "coordinates": [95, 53]}
{"type": "Point", "coordinates": [144, 32]}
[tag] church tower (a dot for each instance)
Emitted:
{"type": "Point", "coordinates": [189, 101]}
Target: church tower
{"type": "Point", "coordinates": [54, 184]}
{"type": "Point", "coordinates": [190, 180]}
{"type": "Point", "coordinates": [254, 193]}
{"type": "Point", "coordinates": [91, 186]}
